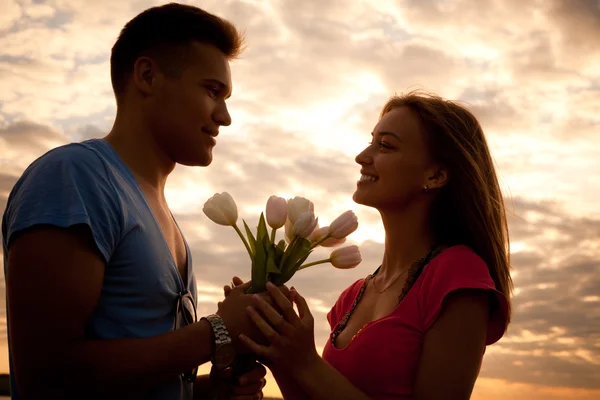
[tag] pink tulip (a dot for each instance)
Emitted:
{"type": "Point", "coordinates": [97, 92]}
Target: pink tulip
{"type": "Point", "coordinates": [319, 233]}
{"type": "Point", "coordinates": [276, 212]}
{"type": "Point", "coordinates": [305, 225]}
{"type": "Point", "coordinates": [346, 257]}
{"type": "Point", "coordinates": [343, 225]}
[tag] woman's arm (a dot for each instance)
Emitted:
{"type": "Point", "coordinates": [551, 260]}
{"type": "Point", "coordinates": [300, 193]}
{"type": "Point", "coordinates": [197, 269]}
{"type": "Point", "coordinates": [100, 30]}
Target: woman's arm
{"type": "Point", "coordinates": [453, 347]}
{"type": "Point", "coordinates": [324, 382]}
{"type": "Point", "coordinates": [293, 350]}
{"type": "Point", "coordinates": [290, 389]}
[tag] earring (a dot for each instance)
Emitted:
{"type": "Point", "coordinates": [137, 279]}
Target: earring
{"type": "Point", "coordinates": [426, 188]}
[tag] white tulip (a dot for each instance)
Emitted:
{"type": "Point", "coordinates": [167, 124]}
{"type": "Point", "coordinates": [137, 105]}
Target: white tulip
{"type": "Point", "coordinates": [298, 206]}
{"type": "Point", "coordinates": [221, 209]}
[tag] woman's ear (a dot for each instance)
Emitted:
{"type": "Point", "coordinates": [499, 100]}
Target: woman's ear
{"type": "Point", "coordinates": [438, 178]}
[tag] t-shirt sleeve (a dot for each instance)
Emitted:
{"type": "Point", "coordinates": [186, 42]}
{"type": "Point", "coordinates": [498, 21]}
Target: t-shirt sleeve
{"type": "Point", "coordinates": [456, 269]}
{"type": "Point", "coordinates": [65, 187]}
{"type": "Point", "coordinates": [343, 303]}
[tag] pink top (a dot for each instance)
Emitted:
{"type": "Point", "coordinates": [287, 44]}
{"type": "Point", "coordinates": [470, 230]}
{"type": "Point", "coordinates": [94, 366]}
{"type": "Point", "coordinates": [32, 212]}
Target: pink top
{"type": "Point", "coordinates": [382, 358]}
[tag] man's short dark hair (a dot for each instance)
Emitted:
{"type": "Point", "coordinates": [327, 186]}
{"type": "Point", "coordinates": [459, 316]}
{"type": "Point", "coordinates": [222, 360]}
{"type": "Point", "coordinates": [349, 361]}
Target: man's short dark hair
{"type": "Point", "coordinates": [165, 33]}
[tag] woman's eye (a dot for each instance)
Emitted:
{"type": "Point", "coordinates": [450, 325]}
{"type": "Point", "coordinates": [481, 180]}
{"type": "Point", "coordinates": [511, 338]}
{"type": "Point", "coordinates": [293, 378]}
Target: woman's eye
{"type": "Point", "coordinates": [382, 145]}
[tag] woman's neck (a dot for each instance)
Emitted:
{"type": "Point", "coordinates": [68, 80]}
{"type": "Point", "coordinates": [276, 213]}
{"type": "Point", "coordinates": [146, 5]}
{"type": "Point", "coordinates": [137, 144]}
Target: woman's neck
{"type": "Point", "coordinates": [408, 237]}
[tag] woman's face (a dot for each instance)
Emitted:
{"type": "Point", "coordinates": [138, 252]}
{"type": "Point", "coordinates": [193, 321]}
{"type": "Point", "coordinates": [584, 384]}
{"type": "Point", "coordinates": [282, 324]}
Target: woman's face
{"type": "Point", "coordinates": [396, 165]}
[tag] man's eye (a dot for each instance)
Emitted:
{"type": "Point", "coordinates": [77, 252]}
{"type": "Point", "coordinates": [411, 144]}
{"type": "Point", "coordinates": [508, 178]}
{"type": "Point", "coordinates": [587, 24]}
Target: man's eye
{"type": "Point", "coordinates": [213, 90]}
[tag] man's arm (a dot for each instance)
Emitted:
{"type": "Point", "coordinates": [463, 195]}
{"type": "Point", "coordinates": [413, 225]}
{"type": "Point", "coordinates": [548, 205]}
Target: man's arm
{"type": "Point", "coordinates": [54, 278]}
{"type": "Point", "coordinates": [203, 387]}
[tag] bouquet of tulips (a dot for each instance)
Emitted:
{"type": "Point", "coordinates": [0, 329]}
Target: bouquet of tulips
{"type": "Point", "coordinates": [277, 262]}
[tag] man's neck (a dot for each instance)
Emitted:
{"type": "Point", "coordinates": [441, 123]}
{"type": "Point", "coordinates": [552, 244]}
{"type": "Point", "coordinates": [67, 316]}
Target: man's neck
{"type": "Point", "coordinates": [140, 152]}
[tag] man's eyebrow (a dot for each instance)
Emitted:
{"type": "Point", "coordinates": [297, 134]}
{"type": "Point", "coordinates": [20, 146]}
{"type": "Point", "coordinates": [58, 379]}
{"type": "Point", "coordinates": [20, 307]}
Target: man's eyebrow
{"type": "Point", "coordinates": [386, 133]}
{"type": "Point", "coordinates": [222, 86]}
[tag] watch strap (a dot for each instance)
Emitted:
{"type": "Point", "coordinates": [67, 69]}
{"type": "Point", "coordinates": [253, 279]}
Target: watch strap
{"type": "Point", "coordinates": [222, 335]}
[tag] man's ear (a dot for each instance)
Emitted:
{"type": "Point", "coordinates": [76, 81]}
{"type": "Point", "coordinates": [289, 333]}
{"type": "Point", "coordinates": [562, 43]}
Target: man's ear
{"type": "Point", "coordinates": [437, 177]}
{"type": "Point", "coordinates": [145, 73]}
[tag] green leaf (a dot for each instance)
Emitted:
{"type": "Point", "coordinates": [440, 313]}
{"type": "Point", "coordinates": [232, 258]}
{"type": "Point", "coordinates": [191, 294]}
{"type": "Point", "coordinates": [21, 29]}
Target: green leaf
{"type": "Point", "coordinates": [251, 240]}
{"type": "Point", "coordinates": [301, 261]}
{"type": "Point", "coordinates": [289, 251]}
{"type": "Point", "coordinates": [261, 232]}
{"type": "Point", "coordinates": [279, 250]}
{"type": "Point", "coordinates": [301, 255]}
{"type": "Point", "coordinates": [259, 270]}
{"type": "Point", "coordinates": [272, 267]}
{"type": "Point", "coordinates": [296, 256]}
{"type": "Point", "coordinates": [281, 245]}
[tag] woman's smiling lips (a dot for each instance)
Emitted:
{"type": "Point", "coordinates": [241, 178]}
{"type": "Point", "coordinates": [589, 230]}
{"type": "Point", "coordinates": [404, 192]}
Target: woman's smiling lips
{"type": "Point", "coordinates": [367, 178]}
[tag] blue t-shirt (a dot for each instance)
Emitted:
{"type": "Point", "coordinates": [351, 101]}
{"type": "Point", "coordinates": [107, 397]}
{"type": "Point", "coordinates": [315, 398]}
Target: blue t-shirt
{"type": "Point", "coordinates": [87, 183]}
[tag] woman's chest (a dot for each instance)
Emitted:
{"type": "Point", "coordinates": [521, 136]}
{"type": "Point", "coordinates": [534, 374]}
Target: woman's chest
{"type": "Point", "coordinates": [382, 359]}
{"type": "Point", "coordinates": [372, 307]}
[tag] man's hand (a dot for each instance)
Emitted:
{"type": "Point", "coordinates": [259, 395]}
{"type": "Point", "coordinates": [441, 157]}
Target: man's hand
{"type": "Point", "coordinates": [233, 312]}
{"type": "Point", "coordinates": [249, 386]}
{"type": "Point", "coordinates": [238, 284]}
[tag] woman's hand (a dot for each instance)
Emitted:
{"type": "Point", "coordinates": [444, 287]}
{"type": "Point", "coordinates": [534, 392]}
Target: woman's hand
{"type": "Point", "coordinates": [291, 336]}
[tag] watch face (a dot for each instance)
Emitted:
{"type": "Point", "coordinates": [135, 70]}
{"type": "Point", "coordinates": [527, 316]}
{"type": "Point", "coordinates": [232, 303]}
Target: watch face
{"type": "Point", "coordinates": [224, 355]}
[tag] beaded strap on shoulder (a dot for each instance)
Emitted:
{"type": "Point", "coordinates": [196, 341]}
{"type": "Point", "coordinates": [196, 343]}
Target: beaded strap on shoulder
{"type": "Point", "coordinates": [413, 274]}
{"type": "Point", "coordinates": [416, 269]}
{"type": "Point", "coordinates": [344, 321]}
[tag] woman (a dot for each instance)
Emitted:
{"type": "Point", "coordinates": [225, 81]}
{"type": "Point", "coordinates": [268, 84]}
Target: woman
{"type": "Point", "coordinates": [418, 327]}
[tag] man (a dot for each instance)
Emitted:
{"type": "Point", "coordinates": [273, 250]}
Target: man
{"type": "Point", "coordinates": [100, 287]}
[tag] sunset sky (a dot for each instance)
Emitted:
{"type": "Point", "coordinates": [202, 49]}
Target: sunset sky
{"type": "Point", "coordinates": [307, 94]}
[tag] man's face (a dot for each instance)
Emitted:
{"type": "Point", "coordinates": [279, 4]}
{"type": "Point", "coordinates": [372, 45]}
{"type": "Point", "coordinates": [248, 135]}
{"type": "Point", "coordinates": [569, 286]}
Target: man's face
{"type": "Point", "coordinates": [186, 112]}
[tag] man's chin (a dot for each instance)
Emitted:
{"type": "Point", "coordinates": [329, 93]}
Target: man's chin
{"type": "Point", "coordinates": [203, 160]}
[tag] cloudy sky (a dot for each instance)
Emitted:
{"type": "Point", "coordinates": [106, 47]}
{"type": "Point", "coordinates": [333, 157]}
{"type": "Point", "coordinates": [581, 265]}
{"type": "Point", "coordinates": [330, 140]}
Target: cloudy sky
{"type": "Point", "coordinates": [307, 93]}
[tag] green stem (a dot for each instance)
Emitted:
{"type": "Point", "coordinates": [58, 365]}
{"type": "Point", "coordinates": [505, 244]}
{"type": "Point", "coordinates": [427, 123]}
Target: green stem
{"type": "Point", "coordinates": [243, 240]}
{"type": "Point", "coordinates": [273, 235]}
{"type": "Point", "coordinates": [310, 264]}
{"type": "Point", "coordinates": [318, 242]}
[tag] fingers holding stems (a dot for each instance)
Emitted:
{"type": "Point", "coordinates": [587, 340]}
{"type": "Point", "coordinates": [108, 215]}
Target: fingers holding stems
{"type": "Point", "coordinates": [250, 385]}
{"type": "Point", "coordinates": [291, 336]}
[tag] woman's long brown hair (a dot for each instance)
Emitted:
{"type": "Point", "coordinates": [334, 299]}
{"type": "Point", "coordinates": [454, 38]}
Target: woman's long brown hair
{"type": "Point", "coordinates": [469, 209]}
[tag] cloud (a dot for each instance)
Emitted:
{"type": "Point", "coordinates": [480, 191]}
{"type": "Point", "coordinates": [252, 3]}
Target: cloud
{"type": "Point", "coordinates": [22, 142]}
{"type": "Point", "coordinates": [11, 11]}
{"type": "Point", "coordinates": [307, 94]}
{"type": "Point", "coordinates": [579, 25]}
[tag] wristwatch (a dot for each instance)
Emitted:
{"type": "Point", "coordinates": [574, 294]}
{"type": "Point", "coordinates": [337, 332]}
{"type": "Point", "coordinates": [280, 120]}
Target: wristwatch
{"type": "Point", "coordinates": [224, 353]}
